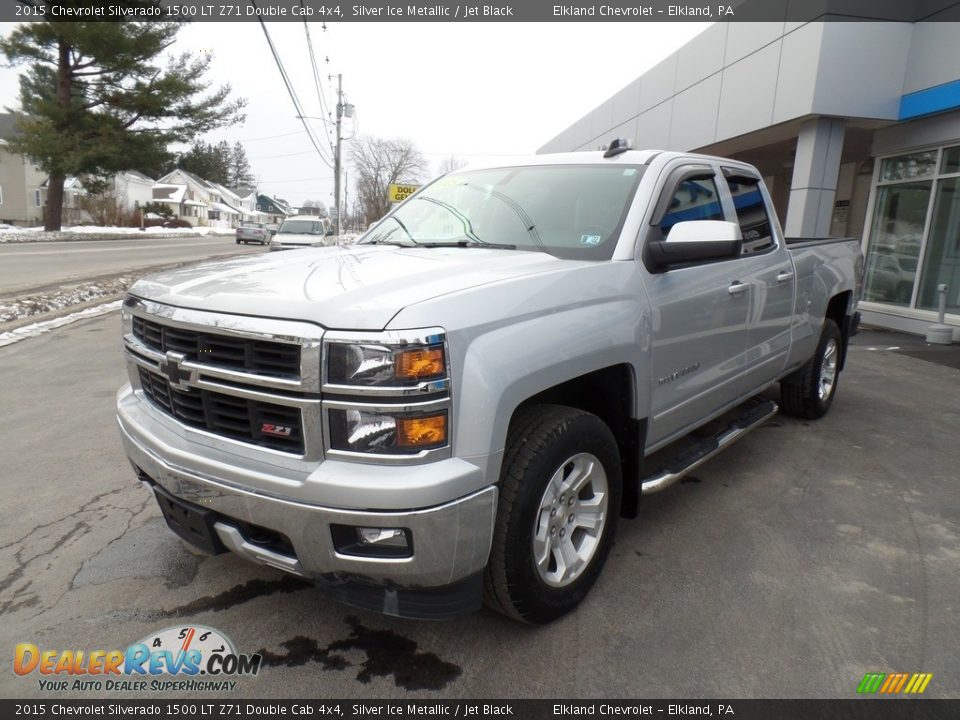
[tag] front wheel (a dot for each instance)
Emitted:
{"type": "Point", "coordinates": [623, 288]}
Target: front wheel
{"type": "Point", "coordinates": [809, 392]}
{"type": "Point", "coordinates": [560, 489]}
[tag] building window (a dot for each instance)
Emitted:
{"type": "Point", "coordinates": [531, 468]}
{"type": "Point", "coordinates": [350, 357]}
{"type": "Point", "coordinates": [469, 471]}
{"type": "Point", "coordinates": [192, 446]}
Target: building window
{"type": "Point", "coordinates": [914, 241]}
{"type": "Point", "coordinates": [36, 198]}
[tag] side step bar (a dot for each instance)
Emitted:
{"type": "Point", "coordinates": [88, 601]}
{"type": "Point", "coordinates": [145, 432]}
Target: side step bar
{"type": "Point", "coordinates": [694, 457]}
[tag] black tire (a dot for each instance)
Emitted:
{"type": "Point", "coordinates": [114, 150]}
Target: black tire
{"type": "Point", "coordinates": [238, 242]}
{"type": "Point", "coordinates": [544, 440]}
{"type": "Point", "coordinates": [800, 392]}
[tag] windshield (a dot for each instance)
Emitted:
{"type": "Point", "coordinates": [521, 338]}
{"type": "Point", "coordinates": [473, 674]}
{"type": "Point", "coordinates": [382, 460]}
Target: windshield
{"type": "Point", "coordinates": [258, 226]}
{"type": "Point", "coordinates": [570, 211]}
{"type": "Point", "coordinates": [302, 227]}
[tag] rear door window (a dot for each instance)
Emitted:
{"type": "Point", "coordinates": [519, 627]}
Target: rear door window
{"type": "Point", "coordinates": [752, 214]}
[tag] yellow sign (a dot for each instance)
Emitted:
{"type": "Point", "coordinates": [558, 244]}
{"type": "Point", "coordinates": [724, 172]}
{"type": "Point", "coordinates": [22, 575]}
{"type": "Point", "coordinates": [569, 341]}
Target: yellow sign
{"type": "Point", "coordinates": [399, 193]}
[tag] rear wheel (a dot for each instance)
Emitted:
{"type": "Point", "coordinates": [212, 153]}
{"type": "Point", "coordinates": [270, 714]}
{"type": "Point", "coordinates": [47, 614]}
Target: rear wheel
{"type": "Point", "coordinates": [560, 490]}
{"type": "Point", "coordinates": [809, 392]}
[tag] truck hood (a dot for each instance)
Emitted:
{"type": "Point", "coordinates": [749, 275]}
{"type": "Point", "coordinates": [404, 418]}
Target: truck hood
{"type": "Point", "coordinates": [357, 287]}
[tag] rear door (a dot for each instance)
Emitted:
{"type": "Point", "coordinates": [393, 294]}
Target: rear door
{"type": "Point", "coordinates": [699, 321]}
{"type": "Point", "coordinates": [768, 268]}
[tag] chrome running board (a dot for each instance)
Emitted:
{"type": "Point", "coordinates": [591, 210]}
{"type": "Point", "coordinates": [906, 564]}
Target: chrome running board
{"type": "Point", "coordinates": [705, 449]}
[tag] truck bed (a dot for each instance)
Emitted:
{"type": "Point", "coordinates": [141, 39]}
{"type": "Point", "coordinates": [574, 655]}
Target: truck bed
{"type": "Point", "coordinates": [796, 243]}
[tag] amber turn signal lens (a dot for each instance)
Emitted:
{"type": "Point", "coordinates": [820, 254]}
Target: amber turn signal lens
{"type": "Point", "coordinates": [419, 364]}
{"type": "Point", "coordinates": [422, 431]}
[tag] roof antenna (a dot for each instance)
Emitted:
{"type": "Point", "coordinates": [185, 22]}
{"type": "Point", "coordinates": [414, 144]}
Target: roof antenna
{"type": "Point", "coordinates": [619, 145]}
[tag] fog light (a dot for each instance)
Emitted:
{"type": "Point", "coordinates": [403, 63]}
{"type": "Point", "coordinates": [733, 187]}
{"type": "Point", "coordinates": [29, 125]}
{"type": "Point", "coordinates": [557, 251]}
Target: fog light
{"type": "Point", "coordinates": [393, 537]}
{"type": "Point", "coordinates": [372, 542]}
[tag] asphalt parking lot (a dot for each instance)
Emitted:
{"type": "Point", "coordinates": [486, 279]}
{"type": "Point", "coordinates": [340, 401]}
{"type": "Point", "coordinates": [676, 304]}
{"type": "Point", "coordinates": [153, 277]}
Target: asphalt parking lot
{"type": "Point", "coordinates": [807, 555]}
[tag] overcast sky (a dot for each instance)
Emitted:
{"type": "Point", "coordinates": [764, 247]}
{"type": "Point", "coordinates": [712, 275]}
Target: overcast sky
{"type": "Point", "coordinates": [472, 90]}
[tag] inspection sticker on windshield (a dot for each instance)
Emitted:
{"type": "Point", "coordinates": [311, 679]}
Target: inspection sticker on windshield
{"type": "Point", "coordinates": [590, 239]}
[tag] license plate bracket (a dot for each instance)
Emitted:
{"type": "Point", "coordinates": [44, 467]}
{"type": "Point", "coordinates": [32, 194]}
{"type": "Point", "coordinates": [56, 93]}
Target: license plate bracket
{"type": "Point", "coordinates": [192, 523]}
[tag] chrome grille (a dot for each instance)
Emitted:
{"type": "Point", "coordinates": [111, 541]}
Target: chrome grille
{"type": "Point", "coordinates": [261, 357]}
{"type": "Point", "coordinates": [234, 417]}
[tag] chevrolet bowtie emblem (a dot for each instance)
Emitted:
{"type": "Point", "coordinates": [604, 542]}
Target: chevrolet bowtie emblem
{"type": "Point", "coordinates": [171, 368]}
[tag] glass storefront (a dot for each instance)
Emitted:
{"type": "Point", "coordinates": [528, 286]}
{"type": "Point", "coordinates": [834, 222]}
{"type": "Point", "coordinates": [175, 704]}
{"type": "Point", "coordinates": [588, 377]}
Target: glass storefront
{"type": "Point", "coordinates": [914, 242]}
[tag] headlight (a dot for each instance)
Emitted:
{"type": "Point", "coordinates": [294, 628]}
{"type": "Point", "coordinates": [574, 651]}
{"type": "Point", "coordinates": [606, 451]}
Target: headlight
{"type": "Point", "coordinates": [374, 364]}
{"type": "Point", "coordinates": [387, 394]}
{"type": "Point", "coordinates": [384, 432]}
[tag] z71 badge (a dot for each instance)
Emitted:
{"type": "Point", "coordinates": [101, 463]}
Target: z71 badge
{"type": "Point", "coordinates": [276, 430]}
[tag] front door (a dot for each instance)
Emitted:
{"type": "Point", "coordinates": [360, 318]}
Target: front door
{"type": "Point", "coordinates": [699, 318]}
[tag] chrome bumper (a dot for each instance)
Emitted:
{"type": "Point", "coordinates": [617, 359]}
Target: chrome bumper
{"type": "Point", "coordinates": [451, 541]}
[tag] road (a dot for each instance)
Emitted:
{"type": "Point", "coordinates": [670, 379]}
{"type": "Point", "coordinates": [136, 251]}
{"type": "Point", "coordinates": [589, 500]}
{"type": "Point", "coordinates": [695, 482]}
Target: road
{"type": "Point", "coordinates": [33, 266]}
{"type": "Point", "coordinates": [805, 556]}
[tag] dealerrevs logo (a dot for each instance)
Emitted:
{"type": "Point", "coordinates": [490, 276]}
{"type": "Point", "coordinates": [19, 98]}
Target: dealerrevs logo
{"type": "Point", "coordinates": [201, 657]}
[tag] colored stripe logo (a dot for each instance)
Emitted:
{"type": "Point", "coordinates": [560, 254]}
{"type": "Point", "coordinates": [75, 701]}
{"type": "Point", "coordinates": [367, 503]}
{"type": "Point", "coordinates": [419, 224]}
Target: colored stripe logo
{"type": "Point", "coordinates": [894, 683]}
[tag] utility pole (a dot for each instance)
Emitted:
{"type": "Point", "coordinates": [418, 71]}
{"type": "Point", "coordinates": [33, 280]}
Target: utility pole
{"type": "Point", "coordinates": [346, 192]}
{"type": "Point", "coordinates": [336, 159]}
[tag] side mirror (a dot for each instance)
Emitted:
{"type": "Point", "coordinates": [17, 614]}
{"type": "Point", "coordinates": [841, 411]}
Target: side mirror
{"type": "Point", "coordinates": [694, 241]}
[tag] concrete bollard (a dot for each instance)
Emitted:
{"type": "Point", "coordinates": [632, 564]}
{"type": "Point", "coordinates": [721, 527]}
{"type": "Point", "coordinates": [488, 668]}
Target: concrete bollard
{"type": "Point", "coordinates": [941, 334]}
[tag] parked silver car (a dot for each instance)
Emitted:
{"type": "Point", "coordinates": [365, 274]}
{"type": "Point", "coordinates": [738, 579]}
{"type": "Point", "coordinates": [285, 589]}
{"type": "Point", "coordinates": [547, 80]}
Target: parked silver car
{"type": "Point", "coordinates": [253, 232]}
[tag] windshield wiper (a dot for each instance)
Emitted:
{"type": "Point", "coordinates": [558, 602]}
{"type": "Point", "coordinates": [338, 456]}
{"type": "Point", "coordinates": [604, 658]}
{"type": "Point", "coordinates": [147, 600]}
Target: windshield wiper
{"type": "Point", "coordinates": [381, 239]}
{"type": "Point", "coordinates": [464, 220]}
{"type": "Point", "coordinates": [397, 243]}
{"type": "Point", "coordinates": [527, 221]}
{"type": "Point", "coordinates": [468, 244]}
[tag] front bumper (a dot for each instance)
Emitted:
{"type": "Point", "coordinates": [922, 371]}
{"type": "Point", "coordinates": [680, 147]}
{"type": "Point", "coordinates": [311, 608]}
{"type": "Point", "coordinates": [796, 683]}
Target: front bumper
{"type": "Point", "coordinates": [451, 541]}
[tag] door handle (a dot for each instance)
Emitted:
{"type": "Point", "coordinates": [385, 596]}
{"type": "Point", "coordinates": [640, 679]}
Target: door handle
{"type": "Point", "coordinates": [737, 288]}
{"type": "Point", "coordinates": [784, 276]}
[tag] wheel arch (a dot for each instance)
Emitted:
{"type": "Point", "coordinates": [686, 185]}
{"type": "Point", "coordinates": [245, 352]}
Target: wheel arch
{"type": "Point", "coordinates": [610, 394]}
{"type": "Point", "coordinates": [839, 310]}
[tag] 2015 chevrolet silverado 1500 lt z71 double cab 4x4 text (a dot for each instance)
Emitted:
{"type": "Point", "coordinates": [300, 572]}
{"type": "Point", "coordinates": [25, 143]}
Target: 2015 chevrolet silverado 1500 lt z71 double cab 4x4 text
{"type": "Point", "coordinates": [459, 406]}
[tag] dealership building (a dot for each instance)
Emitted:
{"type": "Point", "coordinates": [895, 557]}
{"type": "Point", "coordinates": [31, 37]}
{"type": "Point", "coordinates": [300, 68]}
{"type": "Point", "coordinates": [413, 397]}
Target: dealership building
{"type": "Point", "coordinates": [855, 127]}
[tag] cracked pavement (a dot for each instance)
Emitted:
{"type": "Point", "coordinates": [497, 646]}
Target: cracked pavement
{"type": "Point", "coordinates": [803, 557]}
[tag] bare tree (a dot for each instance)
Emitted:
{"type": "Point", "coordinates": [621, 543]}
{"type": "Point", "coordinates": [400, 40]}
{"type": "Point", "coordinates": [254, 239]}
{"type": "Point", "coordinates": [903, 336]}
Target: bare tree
{"type": "Point", "coordinates": [101, 201]}
{"type": "Point", "coordinates": [449, 164]}
{"type": "Point", "coordinates": [378, 163]}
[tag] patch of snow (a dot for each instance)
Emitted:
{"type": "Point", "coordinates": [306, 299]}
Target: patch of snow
{"type": "Point", "coordinates": [28, 331]}
{"type": "Point", "coordinates": [10, 234]}
{"type": "Point", "coordinates": [24, 307]}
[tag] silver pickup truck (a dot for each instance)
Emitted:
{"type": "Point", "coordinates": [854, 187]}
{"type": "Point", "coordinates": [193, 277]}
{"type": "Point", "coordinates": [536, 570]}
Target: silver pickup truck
{"type": "Point", "coordinates": [459, 406]}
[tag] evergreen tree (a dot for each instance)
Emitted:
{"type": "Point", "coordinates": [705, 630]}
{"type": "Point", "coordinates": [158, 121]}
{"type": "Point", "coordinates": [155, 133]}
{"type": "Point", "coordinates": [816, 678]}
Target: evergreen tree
{"type": "Point", "coordinates": [240, 173]}
{"type": "Point", "coordinates": [222, 156]}
{"type": "Point", "coordinates": [200, 160]}
{"type": "Point", "coordinates": [95, 98]}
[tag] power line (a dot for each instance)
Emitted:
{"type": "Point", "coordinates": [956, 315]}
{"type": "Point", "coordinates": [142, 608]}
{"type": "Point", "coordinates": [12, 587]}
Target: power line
{"type": "Point", "coordinates": [290, 91]}
{"type": "Point", "coordinates": [271, 137]}
{"type": "Point", "coordinates": [316, 80]}
{"type": "Point", "coordinates": [276, 182]}
{"type": "Point", "coordinates": [271, 157]}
